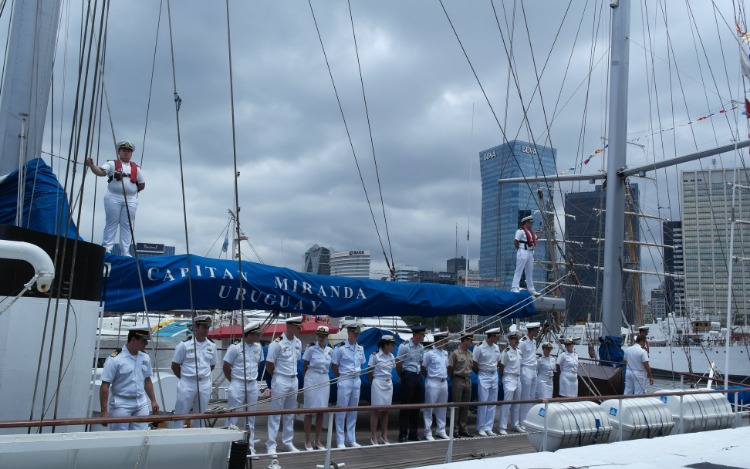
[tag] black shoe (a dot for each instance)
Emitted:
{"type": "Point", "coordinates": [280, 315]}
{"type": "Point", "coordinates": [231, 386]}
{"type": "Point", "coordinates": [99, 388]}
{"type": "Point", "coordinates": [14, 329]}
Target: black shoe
{"type": "Point", "coordinates": [402, 439]}
{"type": "Point", "coordinates": [466, 434]}
{"type": "Point", "coordinates": [414, 438]}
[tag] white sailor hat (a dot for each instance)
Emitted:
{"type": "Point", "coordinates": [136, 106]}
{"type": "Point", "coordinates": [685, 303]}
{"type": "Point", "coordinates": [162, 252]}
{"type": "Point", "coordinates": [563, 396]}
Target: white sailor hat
{"type": "Point", "coordinates": [354, 327]}
{"type": "Point", "coordinates": [296, 320]}
{"type": "Point", "coordinates": [203, 320]}
{"type": "Point", "coordinates": [141, 332]}
{"type": "Point", "coordinates": [322, 330]}
{"type": "Point", "coordinates": [514, 335]}
{"type": "Point", "coordinates": [467, 336]}
{"type": "Point", "coordinates": [643, 328]}
{"type": "Point", "coordinates": [428, 339]}
{"type": "Point", "coordinates": [568, 341]}
{"type": "Point", "coordinates": [533, 325]}
{"type": "Point", "coordinates": [493, 331]}
{"type": "Point", "coordinates": [251, 327]}
{"type": "Point", "coordinates": [547, 345]}
{"type": "Point", "coordinates": [388, 338]}
{"type": "Point", "coordinates": [529, 218]}
{"type": "Point", "coordinates": [127, 144]}
{"type": "Point", "coordinates": [440, 335]}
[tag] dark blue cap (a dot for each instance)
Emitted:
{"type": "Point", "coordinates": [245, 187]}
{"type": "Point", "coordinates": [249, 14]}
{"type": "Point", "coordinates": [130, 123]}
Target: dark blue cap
{"type": "Point", "coordinates": [418, 328]}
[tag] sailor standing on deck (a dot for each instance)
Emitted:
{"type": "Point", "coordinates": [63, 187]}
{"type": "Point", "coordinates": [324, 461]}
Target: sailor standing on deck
{"type": "Point", "coordinates": [643, 332]}
{"type": "Point", "coordinates": [316, 362]}
{"type": "Point", "coordinates": [459, 369]}
{"type": "Point", "coordinates": [241, 370]}
{"type": "Point", "coordinates": [346, 362]}
{"type": "Point", "coordinates": [194, 359]}
{"type": "Point", "coordinates": [527, 346]}
{"type": "Point", "coordinates": [638, 370]}
{"type": "Point", "coordinates": [381, 365]}
{"type": "Point", "coordinates": [545, 372]}
{"type": "Point", "coordinates": [567, 366]}
{"type": "Point", "coordinates": [486, 357]}
{"type": "Point", "coordinates": [126, 382]}
{"type": "Point", "coordinates": [435, 368]}
{"type": "Point", "coordinates": [525, 243]}
{"type": "Point", "coordinates": [281, 362]}
{"type": "Point", "coordinates": [125, 181]}
{"type": "Point", "coordinates": [408, 366]}
{"type": "Point", "coordinates": [510, 367]}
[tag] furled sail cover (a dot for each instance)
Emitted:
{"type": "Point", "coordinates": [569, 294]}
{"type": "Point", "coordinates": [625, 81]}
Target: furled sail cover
{"type": "Point", "coordinates": [217, 284]}
{"type": "Point", "coordinates": [45, 205]}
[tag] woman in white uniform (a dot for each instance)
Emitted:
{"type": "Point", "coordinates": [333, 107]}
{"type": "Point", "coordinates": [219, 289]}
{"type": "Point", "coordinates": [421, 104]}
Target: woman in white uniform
{"type": "Point", "coordinates": [316, 363]}
{"type": "Point", "coordinates": [380, 367]}
{"type": "Point", "coordinates": [545, 370]}
{"type": "Point", "coordinates": [567, 366]}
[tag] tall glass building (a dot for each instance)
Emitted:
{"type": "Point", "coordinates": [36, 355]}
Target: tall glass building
{"type": "Point", "coordinates": [317, 260]}
{"type": "Point", "coordinates": [504, 205]}
{"type": "Point", "coordinates": [707, 210]}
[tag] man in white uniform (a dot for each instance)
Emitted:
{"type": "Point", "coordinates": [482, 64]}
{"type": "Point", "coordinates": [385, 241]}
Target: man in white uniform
{"type": "Point", "coordinates": [638, 369]}
{"type": "Point", "coordinates": [346, 362]}
{"type": "Point", "coordinates": [283, 355]}
{"type": "Point", "coordinates": [435, 368]}
{"type": "Point", "coordinates": [486, 357]}
{"type": "Point", "coordinates": [126, 382]}
{"type": "Point", "coordinates": [241, 370]}
{"type": "Point", "coordinates": [125, 181]}
{"type": "Point", "coordinates": [527, 346]}
{"type": "Point", "coordinates": [525, 243]}
{"type": "Point", "coordinates": [510, 367]}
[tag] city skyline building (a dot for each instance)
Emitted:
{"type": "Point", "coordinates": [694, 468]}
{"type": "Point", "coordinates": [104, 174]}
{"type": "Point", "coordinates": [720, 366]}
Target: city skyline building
{"type": "Point", "coordinates": [504, 205]}
{"type": "Point", "coordinates": [456, 264]}
{"type": "Point", "coordinates": [584, 234]}
{"type": "Point", "coordinates": [707, 209]}
{"type": "Point", "coordinates": [317, 260]}
{"type": "Point", "coordinates": [674, 265]}
{"type": "Point", "coordinates": [353, 263]}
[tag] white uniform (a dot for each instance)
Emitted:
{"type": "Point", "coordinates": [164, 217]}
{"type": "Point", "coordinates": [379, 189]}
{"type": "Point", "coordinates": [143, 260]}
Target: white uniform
{"type": "Point", "coordinates": [511, 360]}
{"type": "Point", "coordinates": [545, 371]}
{"type": "Point", "coordinates": [635, 374]}
{"type": "Point", "coordinates": [435, 362]}
{"type": "Point", "coordinates": [527, 347]}
{"type": "Point", "coordinates": [381, 389]}
{"type": "Point", "coordinates": [317, 382]}
{"type": "Point", "coordinates": [121, 197]}
{"type": "Point", "coordinates": [194, 387]}
{"type": "Point", "coordinates": [126, 374]}
{"type": "Point", "coordinates": [349, 358]}
{"type": "Point", "coordinates": [568, 362]}
{"type": "Point", "coordinates": [524, 262]}
{"type": "Point", "coordinates": [243, 389]}
{"type": "Point", "coordinates": [284, 354]}
{"type": "Point", "coordinates": [486, 356]}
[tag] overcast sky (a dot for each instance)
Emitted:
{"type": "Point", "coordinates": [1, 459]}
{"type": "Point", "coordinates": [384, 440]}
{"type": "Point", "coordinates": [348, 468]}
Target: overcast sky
{"type": "Point", "coordinates": [298, 182]}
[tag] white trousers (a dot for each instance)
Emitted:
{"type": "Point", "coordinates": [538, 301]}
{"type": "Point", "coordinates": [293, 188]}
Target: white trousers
{"type": "Point", "coordinates": [524, 263]}
{"type": "Point", "coordinates": [511, 392]}
{"type": "Point", "coordinates": [122, 407]}
{"type": "Point", "coordinates": [487, 388]}
{"type": "Point", "coordinates": [286, 386]}
{"type": "Point", "coordinates": [238, 390]}
{"type": "Point", "coordinates": [116, 210]}
{"type": "Point", "coordinates": [435, 392]}
{"type": "Point", "coordinates": [346, 422]}
{"type": "Point", "coordinates": [528, 388]}
{"type": "Point", "coordinates": [191, 395]}
{"type": "Point", "coordinates": [635, 382]}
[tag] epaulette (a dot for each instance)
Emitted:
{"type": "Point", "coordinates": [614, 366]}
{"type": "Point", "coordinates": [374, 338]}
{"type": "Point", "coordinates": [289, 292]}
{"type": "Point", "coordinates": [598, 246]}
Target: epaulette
{"type": "Point", "coordinates": [523, 339]}
{"type": "Point", "coordinates": [277, 339]}
{"type": "Point", "coordinates": [507, 349]}
{"type": "Point", "coordinates": [190, 337]}
{"type": "Point", "coordinates": [116, 352]}
{"type": "Point", "coordinates": [210, 340]}
{"type": "Point", "coordinates": [341, 343]}
{"type": "Point", "coordinates": [237, 341]}
{"type": "Point", "coordinates": [311, 344]}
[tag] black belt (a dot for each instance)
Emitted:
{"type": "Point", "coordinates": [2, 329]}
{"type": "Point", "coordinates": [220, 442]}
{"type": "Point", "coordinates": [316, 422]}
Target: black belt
{"type": "Point", "coordinates": [442, 380]}
{"type": "Point", "coordinates": [462, 377]}
{"type": "Point", "coordinates": [412, 372]}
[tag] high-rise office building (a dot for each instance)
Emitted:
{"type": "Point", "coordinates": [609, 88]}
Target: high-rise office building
{"type": "Point", "coordinates": [674, 266]}
{"type": "Point", "coordinates": [317, 260]}
{"type": "Point", "coordinates": [504, 205]}
{"type": "Point", "coordinates": [353, 264]}
{"type": "Point", "coordinates": [456, 264]}
{"type": "Point", "coordinates": [584, 236]}
{"type": "Point", "coordinates": [707, 210]}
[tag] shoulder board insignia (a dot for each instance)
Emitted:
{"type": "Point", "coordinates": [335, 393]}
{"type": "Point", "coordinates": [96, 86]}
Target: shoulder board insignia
{"type": "Point", "coordinates": [523, 339]}
{"type": "Point", "coordinates": [311, 344]}
{"type": "Point", "coordinates": [277, 339]}
{"type": "Point", "coordinates": [116, 352]}
{"type": "Point", "coordinates": [190, 337]}
{"type": "Point", "coordinates": [507, 349]}
{"type": "Point", "coordinates": [237, 341]}
{"type": "Point", "coordinates": [210, 340]}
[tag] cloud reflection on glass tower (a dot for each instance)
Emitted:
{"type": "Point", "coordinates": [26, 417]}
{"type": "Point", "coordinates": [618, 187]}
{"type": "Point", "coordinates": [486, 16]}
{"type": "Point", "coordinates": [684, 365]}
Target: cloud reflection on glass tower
{"type": "Point", "coordinates": [504, 205]}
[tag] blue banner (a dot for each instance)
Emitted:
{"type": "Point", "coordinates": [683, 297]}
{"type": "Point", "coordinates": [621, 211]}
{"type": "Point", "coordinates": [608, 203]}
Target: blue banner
{"type": "Point", "coordinates": [218, 284]}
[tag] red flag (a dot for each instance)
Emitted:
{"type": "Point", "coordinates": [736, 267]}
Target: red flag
{"type": "Point", "coordinates": [747, 108]}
